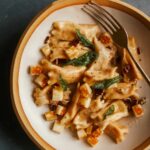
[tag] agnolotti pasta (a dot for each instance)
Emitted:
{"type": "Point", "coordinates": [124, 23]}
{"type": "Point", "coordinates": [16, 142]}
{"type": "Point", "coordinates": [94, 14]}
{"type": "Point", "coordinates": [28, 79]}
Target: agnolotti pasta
{"type": "Point", "coordinates": [88, 82]}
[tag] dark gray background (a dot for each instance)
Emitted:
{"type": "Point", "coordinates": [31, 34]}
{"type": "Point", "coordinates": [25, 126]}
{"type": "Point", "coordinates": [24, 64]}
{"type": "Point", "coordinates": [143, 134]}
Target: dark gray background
{"type": "Point", "coordinates": [14, 17]}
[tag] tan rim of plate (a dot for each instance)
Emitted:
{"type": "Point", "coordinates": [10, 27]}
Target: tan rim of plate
{"type": "Point", "coordinates": [16, 102]}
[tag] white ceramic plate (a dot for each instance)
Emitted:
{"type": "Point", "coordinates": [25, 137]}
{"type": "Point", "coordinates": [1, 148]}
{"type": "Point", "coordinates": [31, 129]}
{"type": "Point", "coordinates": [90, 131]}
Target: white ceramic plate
{"type": "Point", "coordinates": [31, 55]}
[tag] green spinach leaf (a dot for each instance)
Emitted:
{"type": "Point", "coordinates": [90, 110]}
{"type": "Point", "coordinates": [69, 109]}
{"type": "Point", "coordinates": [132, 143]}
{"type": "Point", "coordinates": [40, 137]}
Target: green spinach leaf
{"type": "Point", "coordinates": [83, 60]}
{"type": "Point", "coordinates": [106, 83]}
{"type": "Point", "coordinates": [84, 40]}
{"type": "Point", "coordinates": [110, 111]}
{"type": "Point", "coordinates": [63, 83]}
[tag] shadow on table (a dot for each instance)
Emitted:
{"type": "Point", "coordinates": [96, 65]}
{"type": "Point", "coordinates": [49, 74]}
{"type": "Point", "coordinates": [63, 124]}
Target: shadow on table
{"type": "Point", "coordinates": [10, 129]}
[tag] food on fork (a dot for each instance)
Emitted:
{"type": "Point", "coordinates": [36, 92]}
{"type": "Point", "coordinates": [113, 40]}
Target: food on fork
{"type": "Point", "coordinates": [87, 81]}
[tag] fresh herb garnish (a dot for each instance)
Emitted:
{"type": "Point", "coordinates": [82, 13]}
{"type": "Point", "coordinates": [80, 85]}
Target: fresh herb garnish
{"type": "Point", "coordinates": [84, 40]}
{"type": "Point", "coordinates": [83, 60]}
{"type": "Point", "coordinates": [110, 111]}
{"type": "Point", "coordinates": [106, 83]}
{"type": "Point", "coordinates": [63, 83]}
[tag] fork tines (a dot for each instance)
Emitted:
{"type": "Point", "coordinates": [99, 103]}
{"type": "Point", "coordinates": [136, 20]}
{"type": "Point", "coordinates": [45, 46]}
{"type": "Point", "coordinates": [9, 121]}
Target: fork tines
{"type": "Point", "coordinates": [106, 20]}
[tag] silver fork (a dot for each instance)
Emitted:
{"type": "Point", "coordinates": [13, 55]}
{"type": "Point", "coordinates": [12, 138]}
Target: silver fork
{"type": "Point", "coordinates": [113, 27]}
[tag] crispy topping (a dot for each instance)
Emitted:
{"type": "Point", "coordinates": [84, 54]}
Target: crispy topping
{"type": "Point", "coordinates": [37, 70]}
{"type": "Point", "coordinates": [105, 39]}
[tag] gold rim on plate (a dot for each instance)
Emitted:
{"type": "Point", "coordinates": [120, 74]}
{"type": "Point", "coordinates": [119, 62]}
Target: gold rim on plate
{"type": "Point", "coordinates": [16, 102]}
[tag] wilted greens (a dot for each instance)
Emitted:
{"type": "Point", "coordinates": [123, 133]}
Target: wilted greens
{"type": "Point", "coordinates": [106, 83]}
{"type": "Point", "coordinates": [63, 83]}
{"type": "Point", "coordinates": [84, 40]}
{"type": "Point", "coordinates": [110, 111]}
{"type": "Point", "coordinates": [83, 60]}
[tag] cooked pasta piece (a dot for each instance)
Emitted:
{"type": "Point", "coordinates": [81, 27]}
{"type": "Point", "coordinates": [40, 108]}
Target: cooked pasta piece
{"type": "Point", "coordinates": [82, 119]}
{"type": "Point", "coordinates": [101, 68]}
{"type": "Point", "coordinates": [129, 70]}
{"type": "Point", "coordinates": [66, 95]}
{"type": "Point", "coordinates": [58, 49]}
{"type": "Point", "coordinates": [58, 127]}
{"type": "Point", "coordinates": [81, 134]}
{"type": "Point", "coordinates": [57, 53]}
{"type": "Point", "coordinates": [41, 96]}
{"type": "Point", "coordinates": [98, 104]}
{"type": "Point", "coordinates": [50, 115]}
{"type": "Point", "coordinates": [46, 50]}
{"type": "Point", "coordinates": [85, 90]}
{"type": "Point", "coordinates": [60, 110]}
{"type": "Point", "coordinates": [55, 43]}
{"type": "Point", "coordinates": [89, 130]}
{"type": "Point", "coordinates": [41, 80]}
{"type": "Point", "coordinates": [76, 51]}
{"type": "Point", "coordinates": [85, 101]}
{"type": "Point", "coordinates": [112, 112]}
{"type": "Point", "coordinates": [57, 93]}
{"type": "Point", "coordinates": [116, 131]}
{"type": "Point", "coordinates": [121, 91]}
{"type": "Point", "coordinates": [69, 73]}
{"type": "Point", "coordinates": [90, 31]}
{"type": "Point", "coordinates": [72, 109]}
{"type": "Point", "coordinates": [64, 30]}
{"type": "Point", "coordinates": [133, 47]}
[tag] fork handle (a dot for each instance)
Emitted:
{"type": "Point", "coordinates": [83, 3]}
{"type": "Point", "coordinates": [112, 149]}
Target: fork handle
{"type": "Point", "coordinates": [139, 67]}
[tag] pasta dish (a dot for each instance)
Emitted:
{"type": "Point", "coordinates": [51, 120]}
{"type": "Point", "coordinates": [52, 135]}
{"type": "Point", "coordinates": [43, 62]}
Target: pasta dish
{"type": "Point", "coordinates": [87, 81]}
